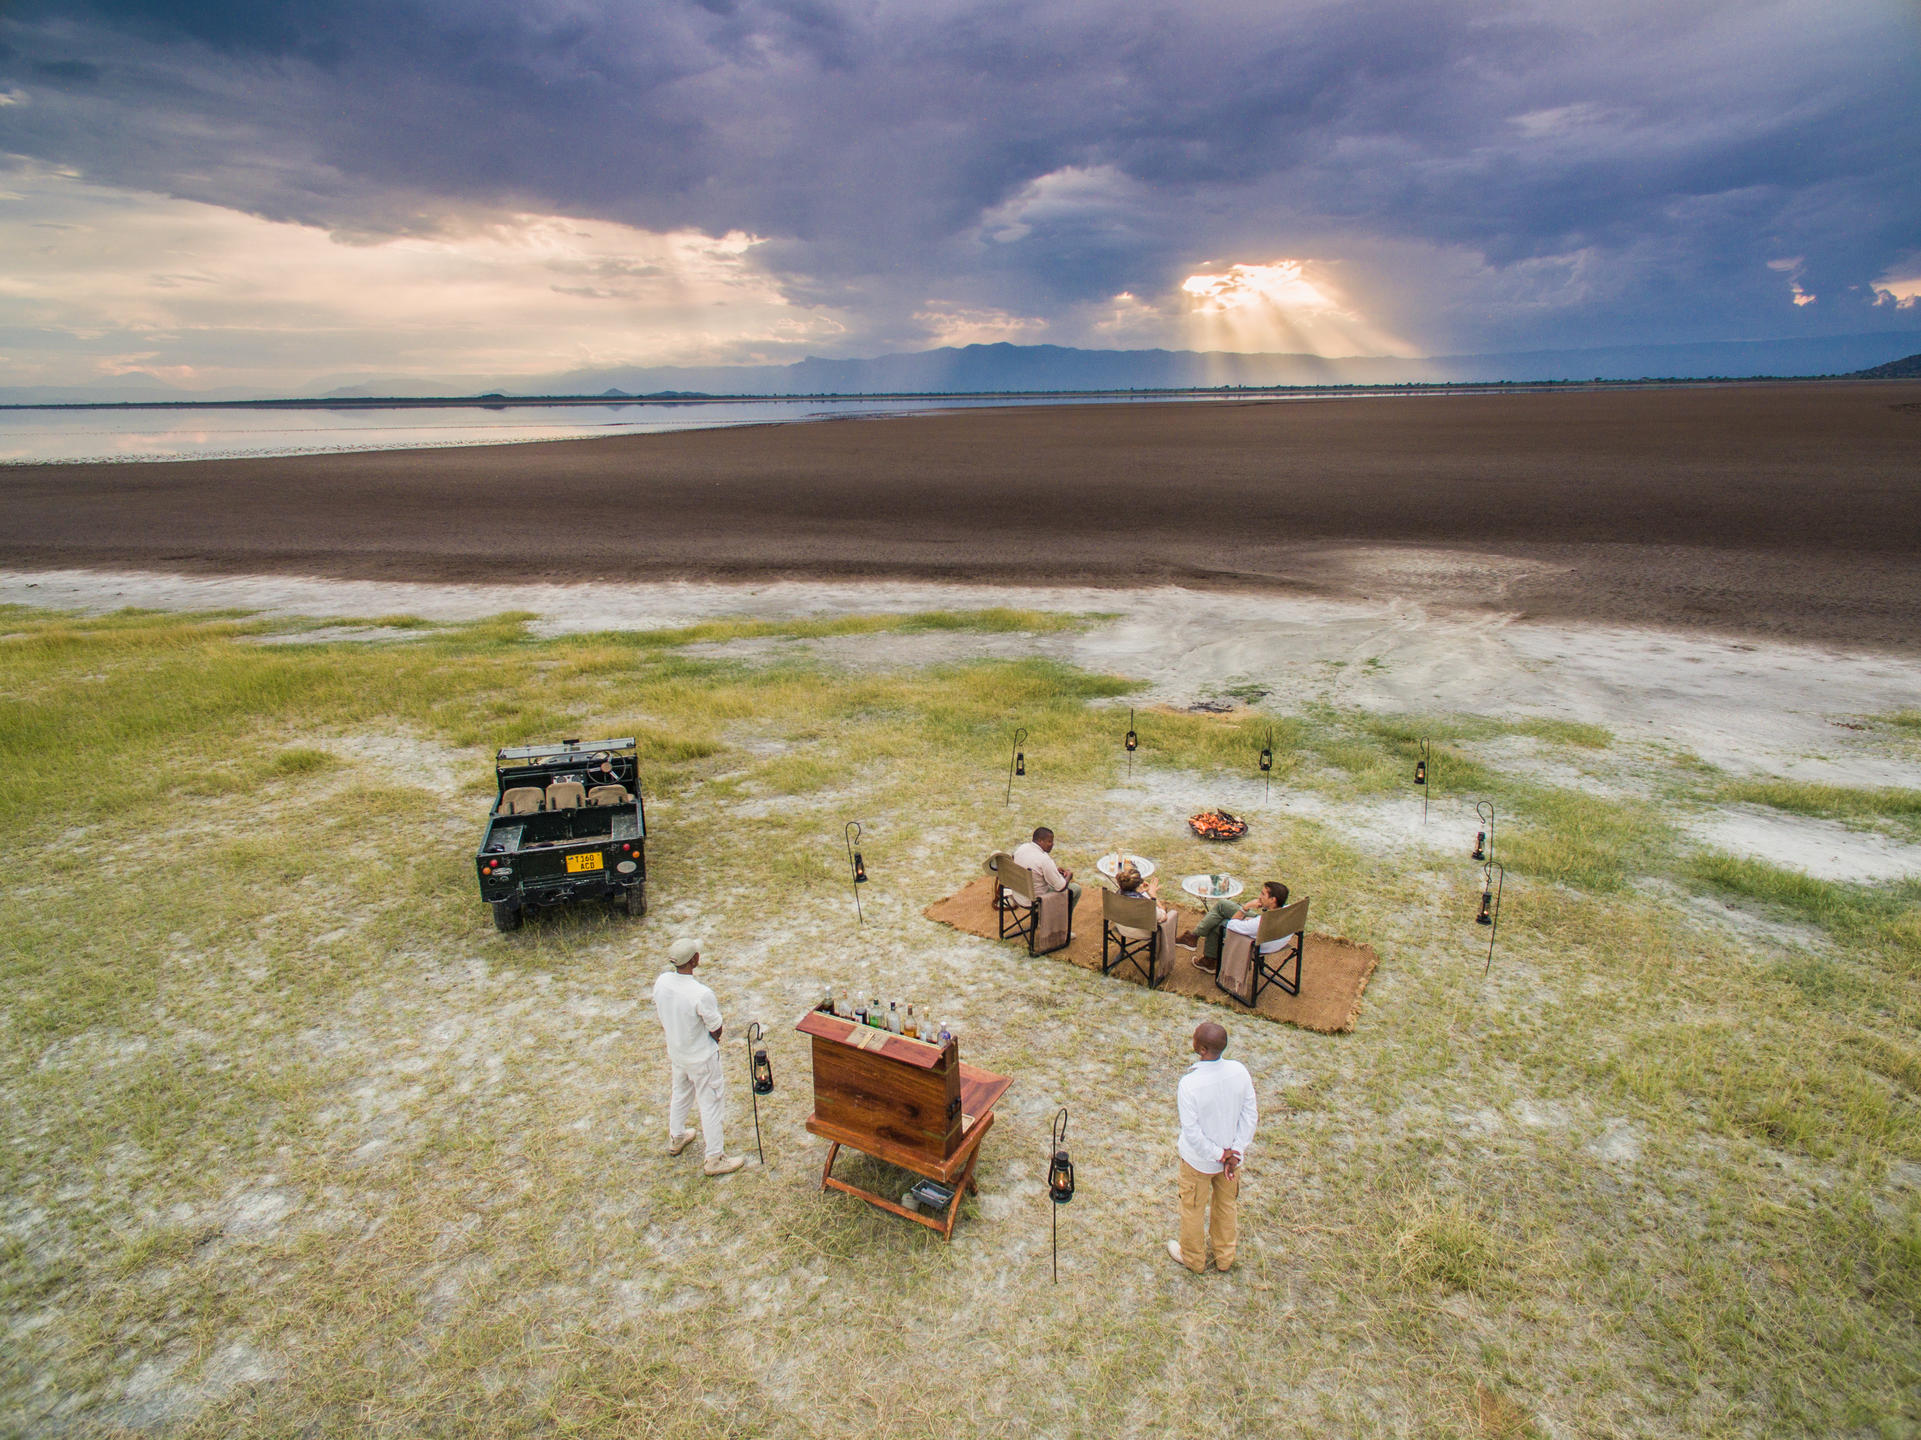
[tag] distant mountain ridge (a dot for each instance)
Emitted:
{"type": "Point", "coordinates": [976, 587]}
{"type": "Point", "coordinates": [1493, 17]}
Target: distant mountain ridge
{"type": "Point", "coordinates": [1001, 368]}
{"type": "Point", "coordinates": [1908, 367]}
{"type": "Point", "coordinates": [979, 369]}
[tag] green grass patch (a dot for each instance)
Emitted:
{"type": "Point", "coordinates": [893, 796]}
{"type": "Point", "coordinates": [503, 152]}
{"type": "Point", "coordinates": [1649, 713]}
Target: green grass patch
{"type": "Point", "coordinates": [1884, 917]}
{"type": "Point", "coordinates": [1580, 839]}
{"type": "Point", "coordinates": [1827, 802]}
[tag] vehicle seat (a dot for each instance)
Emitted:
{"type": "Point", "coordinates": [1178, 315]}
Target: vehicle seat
{"type": "Point", "coordinates": [566, 795]}
{"type": "Point", "coordinates": [608, 795]}
{"type": "Point", "coordinates": [520, 800]}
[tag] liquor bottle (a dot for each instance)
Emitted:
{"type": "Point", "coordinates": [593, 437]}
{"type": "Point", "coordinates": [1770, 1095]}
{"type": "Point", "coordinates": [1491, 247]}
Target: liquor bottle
{"type": "Point", "coordinates": [859, 1017]}
{"type": "Point", "coordinates": [909, 1026]}
{"type": "Point", "coordinates": [828, 1003]}
{"type": "Point", "coordinates": [893, 1016]}
{"type": "Point", "coordinates": [844, 1007]}
{"type": "Point", "coordinates": [876, 1016]}
{"type": "Point", "coordinates": [946, 1034]}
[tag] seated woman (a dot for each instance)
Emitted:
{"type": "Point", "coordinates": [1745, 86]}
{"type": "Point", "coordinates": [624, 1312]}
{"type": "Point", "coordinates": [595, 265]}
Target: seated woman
{"type": "Point", "coordinates": [1128, 881]}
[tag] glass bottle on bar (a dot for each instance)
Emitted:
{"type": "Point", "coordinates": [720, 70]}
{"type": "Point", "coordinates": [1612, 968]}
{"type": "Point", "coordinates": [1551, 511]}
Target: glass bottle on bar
{"type": "Point", "coordinates": [876, 1016]}
{"type": "Point", "coordinates": [893, 1016]}
{"type": "Point", "coordinates": [909, 1026]}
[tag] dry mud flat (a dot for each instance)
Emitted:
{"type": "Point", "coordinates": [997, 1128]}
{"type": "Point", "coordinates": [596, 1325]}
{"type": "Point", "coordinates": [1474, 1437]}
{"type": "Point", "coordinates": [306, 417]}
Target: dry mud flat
{"type": "Point", "coordinates": [1790, 510]}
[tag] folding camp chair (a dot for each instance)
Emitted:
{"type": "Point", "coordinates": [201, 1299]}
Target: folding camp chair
{"type": "Point", "coordinates": [1046, 921]}
{"type": "Point", "coordinates": [1270, 956]}
{"type": "Point", "coordinates": [1131, 930]}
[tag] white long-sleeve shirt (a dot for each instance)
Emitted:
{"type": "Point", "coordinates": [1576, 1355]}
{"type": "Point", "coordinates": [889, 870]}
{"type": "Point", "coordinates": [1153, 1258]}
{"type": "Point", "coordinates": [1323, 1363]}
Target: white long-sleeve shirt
{"type": "Point", "coordinates": [1217, 1112]}
{"type": "Point", "coordinates": [688, 1013]}
{"type": "Point", "coordinates": [1250, 926]}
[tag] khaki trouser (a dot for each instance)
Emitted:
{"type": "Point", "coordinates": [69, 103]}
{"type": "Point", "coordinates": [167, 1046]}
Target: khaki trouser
{"type": "Point", "coordinates": [701, 1086]}
{"type": "Point", "coordinates": [1198, 1235]}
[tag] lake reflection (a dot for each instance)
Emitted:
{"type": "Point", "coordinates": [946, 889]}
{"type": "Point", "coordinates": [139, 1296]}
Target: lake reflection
{"type": "Point", "coordinates": [30, 436]}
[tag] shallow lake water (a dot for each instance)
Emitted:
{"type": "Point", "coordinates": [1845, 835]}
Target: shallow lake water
{"type": "Point", "coordinates": [77, 435]}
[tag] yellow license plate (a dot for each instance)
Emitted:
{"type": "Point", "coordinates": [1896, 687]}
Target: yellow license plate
{"type": "Point", "coordinates": [577, 863]}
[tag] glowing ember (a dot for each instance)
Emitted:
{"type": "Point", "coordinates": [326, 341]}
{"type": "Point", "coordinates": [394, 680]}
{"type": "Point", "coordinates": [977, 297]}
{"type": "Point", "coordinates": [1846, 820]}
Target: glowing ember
{"type": "Point", "coordinates": [1217, 825]}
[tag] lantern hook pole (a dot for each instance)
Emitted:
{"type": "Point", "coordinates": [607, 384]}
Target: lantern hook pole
{"type": "Point", "coordinates": [1060, 1143]}
{"type": "Point", "coordinates": [851, 832]}
{"type": "Point", "coordinates": [1485, 809]}
{"type": "Point", "coordinates": [1494, 916]}
{"type": "Point", "coordinates": [754, 1033]}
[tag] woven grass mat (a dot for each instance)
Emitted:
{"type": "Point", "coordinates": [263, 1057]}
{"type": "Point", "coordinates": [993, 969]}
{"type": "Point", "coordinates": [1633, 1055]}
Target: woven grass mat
{"type": "Point", "coordinates": [1334, 974]}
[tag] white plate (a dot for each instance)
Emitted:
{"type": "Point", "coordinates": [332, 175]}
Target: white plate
{"type": "Point", "coordinates": [1199, 886]}
{"type": "Point", "coordinates": [1110, 865]}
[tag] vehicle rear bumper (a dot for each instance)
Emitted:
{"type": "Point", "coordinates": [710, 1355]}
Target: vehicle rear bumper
{"type": "Point", "coordinates": [559, 891]}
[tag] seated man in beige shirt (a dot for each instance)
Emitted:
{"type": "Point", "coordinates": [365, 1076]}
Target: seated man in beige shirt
{"type": "Point", "coordinates": [1037, 858]}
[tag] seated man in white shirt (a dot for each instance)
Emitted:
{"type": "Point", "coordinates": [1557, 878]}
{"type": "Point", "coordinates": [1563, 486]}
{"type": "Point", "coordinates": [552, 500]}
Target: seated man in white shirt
{"type": "Point", "coordinates": [1036, 857]}
{"type": "Point", "coordinates": [690, 1017]}
{"type": "Point", "coordinates": [1224, 915]}
{"type": "Point", "coordinates": [1218, 1116]}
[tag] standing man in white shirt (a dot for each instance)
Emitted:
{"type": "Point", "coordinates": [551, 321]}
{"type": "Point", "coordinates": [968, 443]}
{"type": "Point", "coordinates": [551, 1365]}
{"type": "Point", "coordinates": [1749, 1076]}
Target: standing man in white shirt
{"type": "Point", "coordinates": [1036, 856]}
{"type": "Point", "coordinates": [1218, 1116]}
{"type": "Point", "coordinates": [690, 1016]}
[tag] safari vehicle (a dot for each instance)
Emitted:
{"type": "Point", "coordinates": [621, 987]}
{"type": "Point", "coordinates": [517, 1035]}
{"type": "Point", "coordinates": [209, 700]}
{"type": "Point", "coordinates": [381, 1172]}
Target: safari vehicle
{"type": "Point", "coordinates": [567, 824]}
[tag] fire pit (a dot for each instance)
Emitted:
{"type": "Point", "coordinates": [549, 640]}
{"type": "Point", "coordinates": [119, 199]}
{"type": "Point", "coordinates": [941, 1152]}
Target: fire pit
{"type": "Point", "coordinates": [1217, 825]}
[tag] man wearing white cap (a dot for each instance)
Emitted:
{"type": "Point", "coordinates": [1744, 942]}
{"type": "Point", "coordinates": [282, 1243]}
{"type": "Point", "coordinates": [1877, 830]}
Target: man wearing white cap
{"type": "Point", "coordinates": [690, 1016]}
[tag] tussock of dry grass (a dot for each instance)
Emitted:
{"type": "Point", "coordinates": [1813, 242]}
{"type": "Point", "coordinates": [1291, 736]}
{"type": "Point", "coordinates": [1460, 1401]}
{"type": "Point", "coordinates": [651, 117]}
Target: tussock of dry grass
{"type": "Point", "coordinates": [295, 1143]}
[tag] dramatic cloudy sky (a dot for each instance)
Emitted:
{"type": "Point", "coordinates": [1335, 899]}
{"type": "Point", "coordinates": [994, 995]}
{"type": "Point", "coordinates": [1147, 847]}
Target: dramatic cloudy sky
{"type": "Point", "coordinates": [242, 191]}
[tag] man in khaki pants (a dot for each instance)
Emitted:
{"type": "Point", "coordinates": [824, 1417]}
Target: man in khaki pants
{"type": "Point", "coordinates": [1218, 1116]}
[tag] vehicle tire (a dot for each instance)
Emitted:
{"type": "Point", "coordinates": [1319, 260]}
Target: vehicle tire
{"type": "Point", "coordinates": [507, 915]}
{"type": "Point", "coordinates": [636, 900]}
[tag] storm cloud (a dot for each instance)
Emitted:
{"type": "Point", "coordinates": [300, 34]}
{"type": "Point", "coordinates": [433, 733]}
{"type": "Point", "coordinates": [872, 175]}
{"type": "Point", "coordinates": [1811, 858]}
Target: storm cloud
{"type": "Point", "coordinates": [1474, 176]}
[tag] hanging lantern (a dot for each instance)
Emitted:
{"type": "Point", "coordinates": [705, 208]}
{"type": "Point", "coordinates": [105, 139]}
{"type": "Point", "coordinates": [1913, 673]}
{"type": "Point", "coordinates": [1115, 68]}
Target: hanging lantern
{"type": "Point", "coordinates": [857, 863]}
{"type": "Point", "coordinates": [1133, 741]}
{"type": "Point", "coordinates": [1486, 917]}
{"type": "Point", "coordinates": [763, 1070]}
{"type": "Point", "coordinates": [1060, 1183]}
{"type": "Point", "coordinates": [1267, 760]}
{"type": "Point", "coordinates": [1480, 845]}
{"type": "Point", "coordinates": [1020, 762]}
{"type": "Point", "coordinates": [1420, 772]}
{"type": "Point", "coordinates": [1060, 1170]}
{"type": "Point", "coordinates": [1060, 1178]}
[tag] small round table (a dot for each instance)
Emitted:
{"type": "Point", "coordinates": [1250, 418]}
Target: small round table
{"type": "Point", "coordinates": [1201, 887]}
{"type": "Point", "coordinates": [1110, 865]}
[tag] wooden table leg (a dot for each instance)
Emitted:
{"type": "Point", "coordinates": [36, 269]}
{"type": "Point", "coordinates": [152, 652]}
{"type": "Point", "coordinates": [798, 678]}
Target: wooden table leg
{"type": "Point", "coordinates": [962, 1190]}
{"type": "Point", "coordinates": [828, 1169]}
